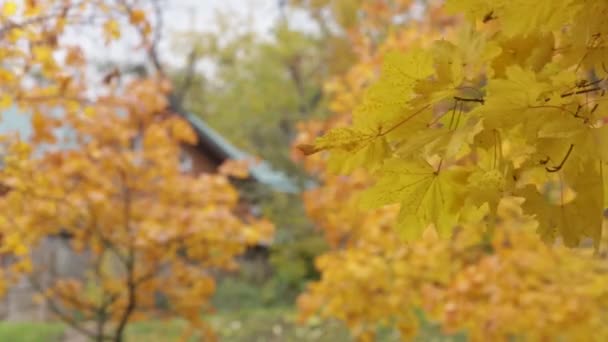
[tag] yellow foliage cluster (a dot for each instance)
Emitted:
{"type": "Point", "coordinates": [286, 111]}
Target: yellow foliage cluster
{"type": "Point", "coordinates": [459, 118]}
{"type": "Point", "coordinates": [102, 169]}
{"type": "Point", "coordinates": [40, 62]}
{"type": "Point", "coordinates": [493, 288]}
{"type": "Point", "coordinates": [486, 150]}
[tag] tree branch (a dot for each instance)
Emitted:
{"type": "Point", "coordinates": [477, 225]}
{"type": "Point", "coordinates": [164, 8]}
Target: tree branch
{"type": "Point", "coordinates": [189, 73]}
{"type": "Point", "coordinates": [73, 323]}
{"type": "Point", "coordinates": [129, 263]}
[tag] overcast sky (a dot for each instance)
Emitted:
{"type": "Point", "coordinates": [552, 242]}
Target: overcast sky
{"type": "Point", "coordinates": [188, 15]}
{"type": "Point", "coordinates": [199, 16]}
{"type": "Point", "coordinates": [182, 13]}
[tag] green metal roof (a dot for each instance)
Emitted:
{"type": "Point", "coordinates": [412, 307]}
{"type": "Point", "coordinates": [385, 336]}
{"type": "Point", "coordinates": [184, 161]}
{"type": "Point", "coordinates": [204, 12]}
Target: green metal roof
{"type": "Point", "coordinates": [262, 172]}
{"type": "Point", "coordinates": [14, 121]}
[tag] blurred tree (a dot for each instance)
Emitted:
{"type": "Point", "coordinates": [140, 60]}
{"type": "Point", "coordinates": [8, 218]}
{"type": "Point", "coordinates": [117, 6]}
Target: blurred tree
{"type": "Point", "coordinates": [102, 168]}
{"type": "Point", "coordinates": [263, 85]}
{"type": "Point", "coordinates": [480, 239]}
{"type": "Point", "coordinates": [254, 88]}
{"type": "Point", "coordinates": [131, 214]}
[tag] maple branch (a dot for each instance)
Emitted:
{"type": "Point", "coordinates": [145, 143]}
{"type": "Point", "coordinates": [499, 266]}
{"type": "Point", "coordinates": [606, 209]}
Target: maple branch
{"type": "Point", "coordinates": [489, 17]}
{"type": "Point", "coordinates": [559, 167]}
{"type": "Point", "coordinates": [585, 83]}
{"type": "Point", "coordinates": [101, 314]}
{"type": "Point", "coordinates": [590, 90]}
{"type": "Point", "coordinates": [131, 299]}
{"type": "Point", "coordinates": [467, 87]}
{"type": "Point", "coordinates": [129, 264]}
{"type": "Point", "coordinates": [585, 119]}
{"type": "Point", "coordinates": [553, 107]}
{"type": "Point", "coordinates": [594, 108]}
{"type": "Point", "coordinates": [189, 73]}
{"type": "Point", "coordinates": [153, 53]}
{"type": "Point", "coordinates": [152, 49]}
{"type": "Point", "coordinates": [13, 25]}
{"type": "Point", "coordinates": [453, 114]}
{"type": "Point", "coordinates": [105, 241]}
{"type": "Point", "coordinates": [61, 12]}
{"type": "Point", "coordinates": [465, 99]}
{"type": "Point", "coordinates": [406, 119]}
{"type": "Point", "coordinates": [66, 318]}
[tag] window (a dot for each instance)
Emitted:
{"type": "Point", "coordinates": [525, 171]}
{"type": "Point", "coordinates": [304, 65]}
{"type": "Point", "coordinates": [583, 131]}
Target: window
{"type": "Point", "coordinates": [185, 162]}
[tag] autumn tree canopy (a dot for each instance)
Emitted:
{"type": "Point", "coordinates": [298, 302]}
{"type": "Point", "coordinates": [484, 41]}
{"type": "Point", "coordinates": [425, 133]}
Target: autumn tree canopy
{"type": "Point", "coordinates": [102, 169]}
{"type": "Point", "coordinates": [473, 158]}
{"type": "Point", "coordinates": [463, 171]}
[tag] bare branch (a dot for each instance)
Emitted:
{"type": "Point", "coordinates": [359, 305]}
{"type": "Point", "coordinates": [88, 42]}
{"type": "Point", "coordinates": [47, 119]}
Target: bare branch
{"type": "Point", "coordinates": [129, 264]}
{"type": "Point", "coordinates": [73, 323]}
{"type": "Point", "coordinates": [189, 73]}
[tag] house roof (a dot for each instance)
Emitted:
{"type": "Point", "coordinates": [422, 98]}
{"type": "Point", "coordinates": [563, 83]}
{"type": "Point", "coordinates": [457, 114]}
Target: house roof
{"type": "Point", "coordinates": [222, 150]}
{"type": "Point", "coordinates": [209, 140]}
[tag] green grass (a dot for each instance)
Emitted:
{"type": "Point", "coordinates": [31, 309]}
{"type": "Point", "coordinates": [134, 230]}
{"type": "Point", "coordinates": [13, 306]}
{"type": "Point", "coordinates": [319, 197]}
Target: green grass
{"type": "Point", "coordinates": [267, 325]}
{"type": "Point", "coordinates": [250, 325]}
{"type": "Point", "coordinates": [31, 332]}
{"type": "Point", "coordinates": [156, 331]}
{"type": "Point", "coordinates": [272, 325]}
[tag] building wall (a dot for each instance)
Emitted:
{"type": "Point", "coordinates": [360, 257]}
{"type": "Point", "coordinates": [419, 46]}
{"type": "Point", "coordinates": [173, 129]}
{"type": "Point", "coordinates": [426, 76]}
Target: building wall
{"type": "Point", "coordinates": [195, 162]}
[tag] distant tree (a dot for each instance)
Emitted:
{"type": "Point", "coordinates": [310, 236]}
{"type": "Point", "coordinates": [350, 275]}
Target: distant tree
{"type": "Point", "coordinates": [254, 88]}
{"type": "Point", "coordinates": [263, 85]}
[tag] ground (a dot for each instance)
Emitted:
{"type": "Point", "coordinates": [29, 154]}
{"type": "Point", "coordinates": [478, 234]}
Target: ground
{"type": "Point", "coordinates": [246, 312]}
{"type": "Point", "coordinates": [264, 325]}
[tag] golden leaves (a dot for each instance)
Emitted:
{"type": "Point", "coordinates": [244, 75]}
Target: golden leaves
{"type": "Point", "coordinates": [388, 98]}
{"type": "Point", "coordinates": [5, 101]}
{"type": "Point", "coordinates": [346, 139]}
{"type": "Point", "coordinates": [9, 8]}
{"type": "Point", "coordinates": [111, 30]}
{"type": "Point", "coordinates": [236, 168]}
{"type": "Point", "coordinates": [182, 131]}
{"type": "Point", "coordinates": [519, 17]}
{"type": "Point", "coordinates": [506, 159]}
{"type": "Point", "coordinates": [116, 199]}
{"type": "Point", "coordinates": [105, 171]}
{"type": "Point", "coordinates": [467, 283]}
{"type": "Point", "coordinates": [137, 16]}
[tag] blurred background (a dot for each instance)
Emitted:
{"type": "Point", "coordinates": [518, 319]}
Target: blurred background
{"type": "Point", "coordinates": [247, 74]}
{"type": "Point", "coordinates": [247, 71]}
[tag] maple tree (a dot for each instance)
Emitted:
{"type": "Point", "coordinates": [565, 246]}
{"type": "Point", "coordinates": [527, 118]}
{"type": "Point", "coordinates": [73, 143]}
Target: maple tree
{"type": "Point", "coordinates": [467, 180]}
{"type": "Point", "coordinates": [102, 167]}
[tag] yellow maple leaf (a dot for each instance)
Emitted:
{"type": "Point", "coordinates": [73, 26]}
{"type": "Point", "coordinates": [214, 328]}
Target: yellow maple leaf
{"type": "Point", "coordinates": [9, 8]}
{"type": "Point", "coordinates": [111, 30]}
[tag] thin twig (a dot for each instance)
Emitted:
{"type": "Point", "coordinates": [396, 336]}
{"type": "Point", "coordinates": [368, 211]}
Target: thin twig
{"type": "Point", "coordinates": [129, 265]}
{"type": "Point", "coordinates": [73, 323]}
{"type": "Point", "coordinates": [465, 99]}
{"type": "Point", "coordinates": [559, 167]}
{"type": "Point", "coordinates": [189, 73]}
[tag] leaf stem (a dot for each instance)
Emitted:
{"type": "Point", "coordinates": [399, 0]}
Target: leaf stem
{"type": "Point", "coordinates": [559, 167]}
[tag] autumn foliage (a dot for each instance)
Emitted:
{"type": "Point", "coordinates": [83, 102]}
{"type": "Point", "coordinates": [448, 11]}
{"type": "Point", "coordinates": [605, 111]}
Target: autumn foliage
{"type": "Point", "coordinates": [463, 175]}
{"type": "Point", "coordinates": [466, 175]}
{"type": "Point", "coordinates": [102, 170]}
